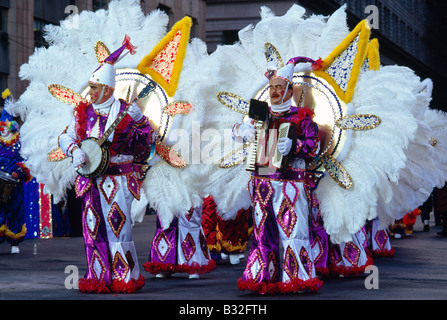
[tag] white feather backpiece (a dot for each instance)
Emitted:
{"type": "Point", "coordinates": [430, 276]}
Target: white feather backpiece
{"type": "Point", "coordinates": [375, 159]}
{"type": "Point", "coordinates": [426, 164]}
{"type": "Point", "coordinates": [239, 69]}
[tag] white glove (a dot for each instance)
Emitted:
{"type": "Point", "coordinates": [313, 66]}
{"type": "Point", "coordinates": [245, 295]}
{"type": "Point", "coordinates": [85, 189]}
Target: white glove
{"type": "Point", "coordinates": [78, 158]}
{"type": "Point", "coordinates": [135, 112]}
{"type": "Point", "coordinates": [247, 132]}
{"type": "Point", "coordinates": [284, 146]}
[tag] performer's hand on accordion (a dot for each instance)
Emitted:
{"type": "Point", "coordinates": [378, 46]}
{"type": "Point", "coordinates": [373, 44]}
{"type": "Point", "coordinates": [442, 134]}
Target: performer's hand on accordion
{"type": "Point", "coordinates": [245, 133]}
{"type": "Point", "coordinates": [284, 145]}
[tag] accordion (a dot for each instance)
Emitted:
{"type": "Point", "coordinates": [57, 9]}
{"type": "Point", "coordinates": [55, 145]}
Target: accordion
{"type": "Point", "coordinates": [264, 150]}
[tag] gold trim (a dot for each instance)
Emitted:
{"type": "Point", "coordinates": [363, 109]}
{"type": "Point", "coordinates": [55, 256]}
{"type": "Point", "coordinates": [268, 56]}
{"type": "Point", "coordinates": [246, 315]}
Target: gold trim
{"type": "Point", "coordinates": [337, 172]}
{"type": "Point", "coordinates": [101, 49]}
{"type": "Point", "coordinates": [231, 106]}
{"type": "Point", "coordinates": [270, 48]}
{"type": "Point", "coordinates": [234, 163]}
{"type": "Point", "coordinates": [62, 95]}
{"type": "Point", "coordinates": [363, 31]}
{"type": "Point", "coordinates": [354, 122]}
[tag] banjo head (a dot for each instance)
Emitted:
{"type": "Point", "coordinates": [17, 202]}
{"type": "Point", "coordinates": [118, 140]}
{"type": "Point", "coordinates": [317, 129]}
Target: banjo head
{"type": "Point", "coordinates": [96, 158]}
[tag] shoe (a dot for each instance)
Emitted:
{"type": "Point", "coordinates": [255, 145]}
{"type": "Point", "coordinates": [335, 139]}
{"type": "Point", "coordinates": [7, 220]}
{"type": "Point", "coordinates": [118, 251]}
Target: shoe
{"type": "Point", "coordinates": [194, 276]}
{"type": "Point", "coordinates": [15, 249]}
{"type": "Point", "coordinates": [223, 256]}
{"type": "Point", "coordinates": [442, 233]}
{"type": "Point", "coordinates": [426, 226]}
{"type": "Point", "coordinates": [234, 259]}
{"type": "Point", "coordinates": [163, 275]}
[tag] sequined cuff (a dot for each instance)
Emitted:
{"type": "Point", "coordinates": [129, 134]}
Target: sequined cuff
{"type": "Point", "coordinates": [70, 148]}
{"type": "Point", "coordinates": [299, 146]}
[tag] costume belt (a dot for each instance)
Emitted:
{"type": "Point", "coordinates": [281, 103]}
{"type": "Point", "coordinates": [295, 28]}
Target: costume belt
{"type": "Point", "coordinates": [294, 175]}
{"type": "Point", "coordinates": [119, 169]}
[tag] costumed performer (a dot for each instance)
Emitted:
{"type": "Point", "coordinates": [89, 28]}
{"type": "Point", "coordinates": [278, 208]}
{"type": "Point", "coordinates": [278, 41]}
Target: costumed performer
{"type": "Point", "coordinates": [348, 258]}
{"type": "Point", "coordinates": [225, 238]}
{"type": "Point", "coordinates": [281, 197]}
{"type": "Point", "coordinates": [106, 199]}
{"type": "Point", "coordinates": [13, 173]}
{"type": "Point", "coordinates": [179, 244]}
{"type": "Point", "coordinates": [180, 247]}
{"type": "Point", "coordinates": [379, 244]}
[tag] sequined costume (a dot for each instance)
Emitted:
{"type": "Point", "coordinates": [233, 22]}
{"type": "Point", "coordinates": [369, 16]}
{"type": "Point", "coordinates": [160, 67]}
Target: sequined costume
{"type": "Point", "coordinates": [154, 68]}
{"type": "Point", "coordinates": [12, 214]}
{"type": "Point", "coordinates": [319, 239]}
{"type": "Point", "coordinates": [350, 258]}
{"type": "Point", "coordinates": [379, 244]}
{"type": "Point", "coordinates": [106, 202]}
{"type": "Point", "coordinates": [280, 217]}
{"type": "Point", "coordinates": [180, 247]}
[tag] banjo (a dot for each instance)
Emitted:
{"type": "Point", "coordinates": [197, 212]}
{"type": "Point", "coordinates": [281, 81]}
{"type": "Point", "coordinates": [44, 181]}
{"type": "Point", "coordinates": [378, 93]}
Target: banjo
{"type": "Point", "coordinates": [97, 153]}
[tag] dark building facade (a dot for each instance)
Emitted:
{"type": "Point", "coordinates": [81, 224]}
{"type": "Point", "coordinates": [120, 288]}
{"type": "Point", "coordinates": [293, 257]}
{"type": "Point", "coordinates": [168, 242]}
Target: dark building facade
{"type": "Point", "coordinates": [410, 32]}
{"type": "Point", "coordinates": [22, 23]}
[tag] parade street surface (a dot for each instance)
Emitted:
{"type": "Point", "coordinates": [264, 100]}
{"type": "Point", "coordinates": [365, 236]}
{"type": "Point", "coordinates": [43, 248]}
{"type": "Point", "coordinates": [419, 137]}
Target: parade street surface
{"type": "Point", "coordinates": [44, 268]}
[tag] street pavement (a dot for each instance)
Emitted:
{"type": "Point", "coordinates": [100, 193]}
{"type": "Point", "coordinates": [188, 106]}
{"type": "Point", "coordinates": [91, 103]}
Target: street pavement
{"type": "Point", "coordinates": [40, 271]}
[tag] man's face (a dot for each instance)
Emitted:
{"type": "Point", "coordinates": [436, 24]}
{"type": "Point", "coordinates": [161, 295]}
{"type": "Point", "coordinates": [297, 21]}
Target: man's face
{"type": "Point", "coordinates": [95, 93]}
{"type": "Point", "coordinates": [277, 88]}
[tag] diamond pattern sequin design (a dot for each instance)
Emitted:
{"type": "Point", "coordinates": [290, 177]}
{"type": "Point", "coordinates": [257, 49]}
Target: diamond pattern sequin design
{"type": "Point", "coordinates": [381, 238]}
{"type": "Point", "coordinates": [163, 246]}
{"type": "Point", "coordinates": [188, 247]}
{"type": "Point", "coordinates": [286, 217]}
{"type": "Point", "coordinates": [188, 215]}
{"type": "Point", "coordinates": [204, 246]}
{"type": "Point", "coordinates": [272, 266]}
{"type": "Point", "coordinates": [255, 265]}
{"type": "Point", "coordinates": [116, 219]}
{"type": "Point", "coordinates": [306, 261]}
{"type": "Point", "coordinates": [120, 267]}
{"type": "Point", "coordinates": [92, 219]}
{"type": "Point", "coordinates": [352, 253]}
{"type": "Point", "coordinates": [97, 266]}
{"type": "Point", "coordinates": [130, 261]}
{"type": "Point", "coordinates": [263, 194]}
{"type": "Point", "coordinates": [108, 187]}
{"type": "Point", "coordinates": [291, 265]}
{"type": "Point", "coordinates": [317, 249]}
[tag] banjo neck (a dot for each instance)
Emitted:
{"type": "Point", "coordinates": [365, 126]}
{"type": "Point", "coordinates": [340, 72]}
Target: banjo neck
{"type": "Point", "coordinates": [113, 126]}
{"type": "Point", "coordinates": [145, 92]}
